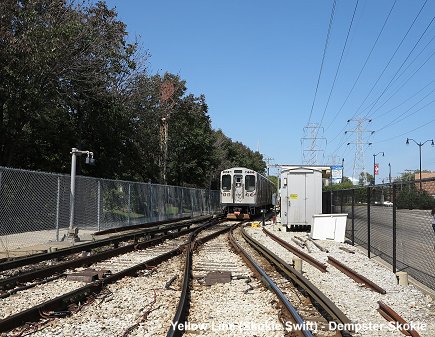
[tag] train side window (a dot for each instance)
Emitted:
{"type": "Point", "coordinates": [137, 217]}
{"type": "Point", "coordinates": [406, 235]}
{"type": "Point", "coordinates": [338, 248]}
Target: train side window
{"type": "Point", "coordinates": [250, 183]}
{"type": "Point", "coordinates": [226, 182]}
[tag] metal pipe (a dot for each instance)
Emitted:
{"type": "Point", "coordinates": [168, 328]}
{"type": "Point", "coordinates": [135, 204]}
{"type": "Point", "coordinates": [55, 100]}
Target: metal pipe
{"type": "Point", "coordinates": [73, 187]}
{"type": "Point", "coordinates": [394, 229]}
{"type": "Point", "coordinates": [353, 217]}
{"type": "Point", "coordinates": [99, 206]}
{"type": "Point", "coordinates": [57, 208]}
{"type": "Point", "coordinates": [368, 220]}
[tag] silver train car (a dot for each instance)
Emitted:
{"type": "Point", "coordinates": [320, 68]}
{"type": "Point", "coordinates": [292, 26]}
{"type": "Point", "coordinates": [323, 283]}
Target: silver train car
{"type": "Point", "coordinates": [245, 192]}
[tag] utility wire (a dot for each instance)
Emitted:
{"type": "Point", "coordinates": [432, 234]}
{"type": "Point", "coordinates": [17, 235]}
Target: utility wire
{"type": "Point", "coordinates": [398, 120]}
{"type": "Point", "coordinates": [403, 102]}
{"type": "Point", "coordinates": [339, 63]}
{"type": "Point", "coordinates": [364, 65]}
{"type": "Point", "coordinates": [404, 83]}
{"type": "Point", "coordinates": [416, 57]}
{"type": "Point", "coordinates": [403, 63]}
{"type": "Point", "coordinates": [331, 20]}
{"type": "Point", "coordinates": [405, 133]}
{"type": "Point", "coordinates": [391, 58]}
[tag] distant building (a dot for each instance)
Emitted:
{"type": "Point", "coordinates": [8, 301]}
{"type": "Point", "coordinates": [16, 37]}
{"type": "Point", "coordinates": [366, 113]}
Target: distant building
{"type": "Point", "coordinates": [428, 186]}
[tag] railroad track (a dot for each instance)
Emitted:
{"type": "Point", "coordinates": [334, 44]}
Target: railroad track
{"type": "Point", "coordinates": [348, 293]}
{"type": "Point", "coordinates": [13, 279]}
{"type": "Point", "coordinates": [131, 234]}
{"type": "Point", "coordinates": [220, 281]}
{"type": "Point", "coordinates": [308, 306]}
{"type": "Point", "coordinates": [56, 296]}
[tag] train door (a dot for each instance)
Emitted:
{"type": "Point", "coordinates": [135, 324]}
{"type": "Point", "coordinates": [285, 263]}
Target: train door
{"type": "Point", "coordinates": [238, 191]}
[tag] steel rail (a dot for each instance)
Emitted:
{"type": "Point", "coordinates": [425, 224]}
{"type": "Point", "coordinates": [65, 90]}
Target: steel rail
{"type": "Point", "coordinates": [272, 285]}
{"type": "Point", "coordinates": [329, 306]}
{"type": "Point", "coordinates": [183, 305]}
{"type": "Point", "coordinates": [355, 276]}
{"type": "Point", "coordinates": [306, 257]}
{"type": "Point", "coordinates": [392, 316]}
{"type": "Point", "coordinates": [79, 295]}
{"type": "Point", "coordinates": [142, 225]}
{"type": "Point", "coordinates": [62, 302]}
{"type": "Point", "coordinates": [19, 262]}
{"type": "Point", "coordinates": [86, 260]}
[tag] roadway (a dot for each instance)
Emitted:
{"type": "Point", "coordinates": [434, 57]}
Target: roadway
{"type": "Point", "coordinates": [415, 238]}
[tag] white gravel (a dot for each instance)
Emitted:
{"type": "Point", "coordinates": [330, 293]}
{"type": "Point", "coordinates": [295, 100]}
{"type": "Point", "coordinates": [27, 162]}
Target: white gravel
{"type": "Point", "coordinates": [125, 306]}
{"type": "Point", "coordinates": [28, 298]}
{"type": "Point", "coordinates": [230, 309]}
{"type": "Point", "coordinates": [357, 302]}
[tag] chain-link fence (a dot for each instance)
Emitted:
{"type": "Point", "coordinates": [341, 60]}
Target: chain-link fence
{"type": "Point", "coordinates": [35, 206]}
{"type": "Point", "coordinates": [392, 221]}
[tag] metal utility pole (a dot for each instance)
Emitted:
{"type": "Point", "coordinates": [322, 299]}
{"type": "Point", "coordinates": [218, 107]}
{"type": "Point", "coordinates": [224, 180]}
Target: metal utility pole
{"type": "Point", "coordinates": [268, 159]}
{"type": "Point", "coordinates": [419, 146]}
{"type": "Point", "coordinates": [73, 231]}
{"type": "Point", "coordinates": [166, 92]}
{"type": "Point", "coordinates": [342, 169]}
{"type": "Point", "coordinates": [312, 142]}
{"type": "Point", "coordinates": [375, 172]}
{"type": "Point", "coordinates": [360, 133]}
{"type": "Point", "coordinates": [389, 172]}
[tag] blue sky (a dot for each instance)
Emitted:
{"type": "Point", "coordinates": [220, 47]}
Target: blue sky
{"type": "Point", "coordinates": [258, 64]}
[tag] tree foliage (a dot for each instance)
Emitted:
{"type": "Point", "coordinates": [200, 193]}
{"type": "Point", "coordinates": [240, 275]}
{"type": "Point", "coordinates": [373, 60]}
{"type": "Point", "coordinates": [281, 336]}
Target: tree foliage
{"type": "Point", "coordinates": [69, 78]}
{"type": "Point", "coordinates": [412, 198]}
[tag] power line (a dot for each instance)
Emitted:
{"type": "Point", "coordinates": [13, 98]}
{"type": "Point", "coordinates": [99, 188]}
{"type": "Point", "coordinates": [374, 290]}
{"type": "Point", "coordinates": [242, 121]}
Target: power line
{"type": "Point", "coordinates": [391, 58]}
{"type": "Point", "coordinates": [395, 121]}
{"type": "Point", "coordinates": [331, 20]}
{"type": "Point", "coordinates": [364, 65]}
{"type": "Point", "coordinates": [403, 63]}
{"type": "Point", "coordinates": [405, 133]}
{"type": "Point", "coordinates": [339, 63]}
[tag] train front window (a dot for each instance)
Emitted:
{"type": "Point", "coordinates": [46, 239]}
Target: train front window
{"type": "Point", "coordinates": [250, 183]}
{"type": "Point", "coordinates": [226, 182]}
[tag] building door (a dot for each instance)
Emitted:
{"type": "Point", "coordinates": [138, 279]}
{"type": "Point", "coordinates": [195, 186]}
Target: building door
{"type": "Point", "coordinates": [297, 198]}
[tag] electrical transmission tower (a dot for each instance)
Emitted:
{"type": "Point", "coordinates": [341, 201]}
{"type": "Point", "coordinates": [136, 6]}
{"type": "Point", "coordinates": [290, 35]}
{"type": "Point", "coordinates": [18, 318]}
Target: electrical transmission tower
{"type": "Point", "coordinates": [312, 144]}
{"type": "Point", "coordinates": [360, 140]}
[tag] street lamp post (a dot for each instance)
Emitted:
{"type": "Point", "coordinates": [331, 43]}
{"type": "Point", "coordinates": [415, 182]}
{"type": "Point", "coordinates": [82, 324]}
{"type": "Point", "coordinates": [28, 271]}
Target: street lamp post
{"type": "Point", "coordinates": [73, 232]}
{"type": "Point", "coordinates": [374, 166]}
{"type": "Point", "coordinates": [389, 172]}
{"type": "Point", "coordinates": [419, 146]}
{"type": "Point", "coordinates": [342, 169]}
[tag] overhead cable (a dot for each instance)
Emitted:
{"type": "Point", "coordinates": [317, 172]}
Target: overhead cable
{"type": "Point", "coordinates": [331, 20]}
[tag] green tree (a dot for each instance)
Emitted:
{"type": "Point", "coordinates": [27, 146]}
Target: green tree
{"type": "Point", "coordinates": [62, 70]}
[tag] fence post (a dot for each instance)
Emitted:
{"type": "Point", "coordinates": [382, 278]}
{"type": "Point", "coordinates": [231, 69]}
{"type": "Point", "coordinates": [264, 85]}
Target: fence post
{"type": "Point", "coordinates": [394, 229]}
{"type": "Point", "coordinates": [341, 201]}
{"type": "Point", "coordinates": [99, 206]}
{"type": "Point", "coordinates": [191, 200]}
{"type": "Point", "coordinates": [368, 220]}
{"type": "Point", "coordinates": [57, 207]}
{"type": "Point", "coordinates": [129, 203]}
{"type": "Point", "coordinates": [353, 217]}
{"type": "Point", "coordinates": [332, 206]}
{"type": "Point", "coordinates": [180, 207]}
{"type": "Point", "coordinates": [150, 203]}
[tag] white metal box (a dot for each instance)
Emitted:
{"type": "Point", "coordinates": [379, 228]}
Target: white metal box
{"type": "Point", "coordinates": [329, 227]}
{"type": "Point", "coordinates": [301, 196]}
